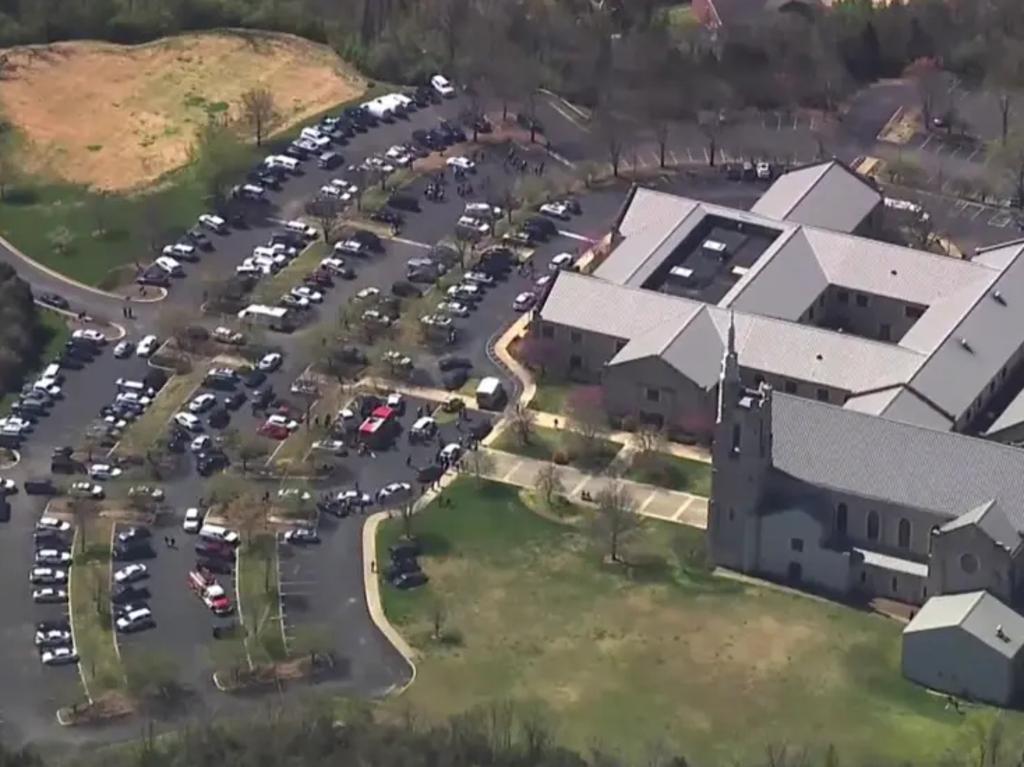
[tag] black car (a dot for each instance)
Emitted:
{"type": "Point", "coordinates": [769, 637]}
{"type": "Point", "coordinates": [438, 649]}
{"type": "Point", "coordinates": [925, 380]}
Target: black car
{"type": "Point", "coordinates": [401, 567]}
{"type": "Point", "coordinates": [128, 594]}
{"type": "Point", "coordinates": [288, 237]}
{"type": "Point", "coordinates": [386, 216]}
{"type": "Point", "coordinates": [352, 355]}
{"type": "Point", "coordinates": [404, 202]}
{"type": "Point", "coordinates": [216, 566]}
{"type": "Point", "coordinates": [235, 400]}
{"type": "Point", "coordinates": [330, 160]}
{"type": "Point", "coordinates": [47, 538]}
{"type": "Point", "coordinates": [133, 534]}
{"type": "Point", "coordinates": [405, 549]}
{"type": "Point", "coordinates": [154, 276]}
{"type": "Point", "coordinates": [254, 378]}
{"type": "Point", "coordinates": [451, 362]}
{"type": "Point", "coordinates": [496, 261]}
{"type": "Point", "coordinates": [545, 226]}
{"type": "Point", "coordinates": [79, 352]}
{"type": "Point", "coordinates": [54, 624]}
{"type": "Point", "coordinates": [429, 474]}
{"type": "Point", "coordinates": [220, 418]}
{"type": "Point", "coordinates": [453, 133]}
{"type": "Point", "coordinates": [124, 552]}
{"type": "Point", "coordinates": [195, 236]}
{"type": "Point", "coordinates": [405, 290]}
{"type": "Point", "coordinates": [40, 487]}
{"type": "Point", "coordinates": [54, 300]}
{"type": "Point", "coordinates": [262, 397]}
{"type": "Point", "coordinates": [208, 463]}
{"type": "Point", "coordinates": [69, 362]}
{"type": "Point", "coordinates": [213, 550]}
{"type": "Point", "coordinates": [367, 403]}
{"type": "Point", "coordinates": [454, 379]}
{"type": "Point", "coordinates": [367, 239]}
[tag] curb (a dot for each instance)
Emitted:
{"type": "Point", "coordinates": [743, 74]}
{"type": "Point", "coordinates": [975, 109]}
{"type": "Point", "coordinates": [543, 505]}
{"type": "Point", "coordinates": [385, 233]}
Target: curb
{"type": "Point", "coordinates": [15, 462]}
{"type": "Point", "coordinates": [371, 588]}
{"type": "Point", "coordinates": [162, 294]}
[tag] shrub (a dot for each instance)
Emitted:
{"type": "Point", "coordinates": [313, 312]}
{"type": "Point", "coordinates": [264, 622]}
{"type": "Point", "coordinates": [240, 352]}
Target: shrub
{"type": "Point", "coordinates": [560, 456]}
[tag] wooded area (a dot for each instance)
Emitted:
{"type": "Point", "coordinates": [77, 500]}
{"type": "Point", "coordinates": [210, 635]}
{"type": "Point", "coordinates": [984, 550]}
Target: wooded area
{"type": "Point", "coordinates": [20, 329]}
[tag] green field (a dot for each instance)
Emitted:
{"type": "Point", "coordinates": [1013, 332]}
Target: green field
{"type": "Point", "coordinates": [662, 655]}
{"type": "Point", "coordinates": [90, 609]}
{"type": "Point", "coordinates": [550, 397]}
{"type": "Point", "coordinates": [258, 588]}
{"type": "Point", "coordinates": [546, 443]}
{"type": "Point", "coordinates": [673, 472]}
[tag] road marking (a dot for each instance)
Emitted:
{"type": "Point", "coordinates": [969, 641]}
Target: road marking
{"type": "Point", "coordinates": [813, 125]}
{"type": "Point", "coordinates": [927, 141]}
{"type": "Point", "coordinates": [672, 157]}
{"type": "Point", "coordinates": [647, 502]}
{"type": "Point", "coordinates": [413, 243]}
{"type": "Point", "coordinates": [1000, 220]}
{"type": "Point", "coordinates": [683, 508]}
{"type": "Point", "coordinates": [972, 155]}
{"type": "Point", "coordinates": [778, 125]}
{"type": "Point", "coordinates": [580, 486]}
{"type": "Point", "coordinates": [574, 236]}
{"type": "Point", "coordinates": [796, 122]}
{"type": "Point", "coordinates": [510, 472]}
{"type": "Point", "coordinates": [707, 157]}
{"type": "Point", "coordinates": [690, 155]}
{"type": "Point", "coordinates": [978, 212]}
{"type": "Point", "coordinates": [764, 120]}
{"type": "Point", "coordinates": [564, 113]}
{"type": "Point", "coordinates": [657, 157]}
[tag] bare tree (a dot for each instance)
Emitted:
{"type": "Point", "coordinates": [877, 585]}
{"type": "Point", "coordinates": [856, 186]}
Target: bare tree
{"type": "Point", "coordinates": [616, 518]}
{"type": "Point", "coordinates": [587, 416]}
{"type": "Point", "coordinates": [522, 421]}
{"type": "Point", "coordinates": [549, 483]}
{"type": "Point", "coordinates": [327, 212]}
{"type": "Point", "coordinates": [611, 131]}
{"type": "Point", "coordinates": [407, 510]}
{"type": "Point", "coordinates": [709, 124]}
{"type": "Point", "coordinates": [251, 448]}
{"type": "Point", "coordinates": [649, 439]}
{"type": "Point", "coordinates": [1010, 157]}
{"type": "Point", "coordinates": [258, 110]}
{"type": "Point", "coordinates": [927, 75]}
{"type": "Point", "coordinates": [479, 463]}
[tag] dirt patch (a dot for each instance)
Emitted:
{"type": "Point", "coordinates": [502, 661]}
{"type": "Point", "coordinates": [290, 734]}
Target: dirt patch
{"type": "Point", "coordinates": [145, 103]}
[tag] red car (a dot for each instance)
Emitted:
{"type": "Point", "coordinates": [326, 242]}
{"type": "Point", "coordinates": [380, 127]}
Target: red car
{"type": "Point", "coordinates": [321, 278]}
{"type": "Point", "coordinates": [274, 431]}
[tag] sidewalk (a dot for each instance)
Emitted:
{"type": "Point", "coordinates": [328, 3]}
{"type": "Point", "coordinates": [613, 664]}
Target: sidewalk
{"type": "Point", "coordinates": [655, 502]}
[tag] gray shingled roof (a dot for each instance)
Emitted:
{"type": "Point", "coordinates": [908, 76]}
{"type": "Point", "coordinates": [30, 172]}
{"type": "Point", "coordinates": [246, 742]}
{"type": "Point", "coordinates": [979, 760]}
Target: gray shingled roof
{"type": "Point", "coordinates": [979, 614]}
{"type": "Point", "coordinates": [990, 518]}
{"type": "Point", "coordinates": [944, 472]}
{"type": "Point", "coordinates": [828, 195]}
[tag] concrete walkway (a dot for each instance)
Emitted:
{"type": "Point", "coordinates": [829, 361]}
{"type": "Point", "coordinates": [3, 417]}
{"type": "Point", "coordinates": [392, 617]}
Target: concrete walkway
{"type": "Point", "coordinates": [656, 502]}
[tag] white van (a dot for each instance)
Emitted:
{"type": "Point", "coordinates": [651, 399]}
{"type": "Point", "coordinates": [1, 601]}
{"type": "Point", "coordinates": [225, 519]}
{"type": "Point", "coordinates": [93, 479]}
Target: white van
{"type": "Point", "coordinates": [290, 164]}
{"type": "Point", "coordinates": [218, 533]}
{"type": "Point", "coordinates": [490, 393]}
{"type": "Point", "coordinates": [53, 371]}
{"type": "Point", "coordinates": [170, 266]}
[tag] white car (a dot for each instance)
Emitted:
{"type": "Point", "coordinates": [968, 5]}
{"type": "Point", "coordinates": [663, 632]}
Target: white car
{"type": "Point", "coordinates": [47, 576]}
{"type": "Point", "coordinates": [483, 210]}
{"type": "Point", "coordinates": [280, 420]}
{"type": "Point", "coordinates": [461, 162]}
{"type": "Point", "coordinates": [465, 291]}
{"type": "Point", "coordinates": [53, 523]}
{"type": "Point", "coordinates": [179, 249]}
{"type": "Point", "coordinates": [139, 491]}
{"type": "Point", "coordinates": [304, 291]}
{"type": "Point", "coordinates": [395, 491]}
{"type": "Point", "coordinates": [269, 362]}
{"type": "Point", "coordinates": [250, 268]}
{"type": "Point", "coordinates": [351, 247]}
{"type": "Point", "coordinates": [58, 656]}
{"type": "Point", "coordinates": [451, 452]}
{"type": "Point", "coordinates": [346, 189]}
{"type": "Point", "coordinates": [124, 349]}
{"type": "Point", "coordinates": [131, 573]}
{"type": "Point", "coordinates": [296, 225]}
{"type": "Point", "coordinates": [202, 403]}
{"type": "Point", "coordinates": [294, 302]}
{"type": "Point", "coordinates": [49, 595]}
{"type": "Point", "coordinates": [213, 223]}
{"type": "Point", "coordinates": [524, 302]}
{"type": "Point", "coordinates": [479, 278]}
{"type": "Point", "coordinates": [331, 191]}
{"type": "Point", "coordinates": [442, 321]}
{"type": "Point", "coordinates": [474, 225]}
{"type": "Point", "coordinates": [52, 638]}
{"type": "Point", "coordinates": [454, 308]}
{"type": "Point", "coordinates": [561, 261]}
{"type": "Point", "coordinates": [400, 156]}
{"type": "Point", "coordinates": [8, 486]}
{"type": "Point", "coordinates": [133, 397]}
{"type": "Point", "coordinates": [136, 620]}
{"type": "Point", "coordinates": [374, 317]}
{"type": "Point", "coordinates": [147, 346]}
{"type": "Point", "coordinates": [556, 210]}
{"type": "Point", "coordinates": [170, 265]}
{"type": "Point", "coordinates": [354, 498]}
{"type": "Point", "coordinates": [86, 490]}
{"type": "Point", "coordinates": [333, 263]}
{"type": "Point", "coordinates": [200, 444]}
{"type": "Point", "coordinates": [286, 493]}
{"type": "Point", "coordinates": [543, 282]}
{"type": "Point", "coordinates": [88, 334]}
{"type": "Point", "coordinates": [104, 471]}
{"type": "Point", "coordinates": [764, 170]}
{"type": "Point", "coordinates": [188, 422]}
{"type": "Point", "coordinates": [227, 336]}
{"type": "Point", "coordinates": [444, 88]}
{"type": "Point", "coordinates": [424, 428]}
{"type": "Point", "coordinates": [367, 293]}
{"type": "Point", "coordinates": [192, 520]}
{"type": "Point", "coordinates": [53, 557]}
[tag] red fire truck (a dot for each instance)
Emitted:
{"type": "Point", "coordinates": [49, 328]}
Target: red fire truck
{"type": "Point", "coordinates": [205, 586]}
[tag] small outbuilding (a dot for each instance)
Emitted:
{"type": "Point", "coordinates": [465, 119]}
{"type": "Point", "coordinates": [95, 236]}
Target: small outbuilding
{"type": "Point", "coordinates": [967, 645]}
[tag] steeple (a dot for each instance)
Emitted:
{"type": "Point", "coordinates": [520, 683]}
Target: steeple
{"type": "Point", "coordinates": [729, 384]}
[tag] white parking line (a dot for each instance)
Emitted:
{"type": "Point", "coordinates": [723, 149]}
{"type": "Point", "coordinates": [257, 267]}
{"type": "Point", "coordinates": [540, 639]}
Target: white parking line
{"type": "Point", "coordinates": [672, 157]}
{"type": "Point", "coordinates": [413, 243]}
{"type": "Point", "coordinates": [814, 120]}
{"type": "Point", "coordinates": [690, 155]}
{"type": "Point", "coordinates": [778, 125]}
{"type": "Point", "coordinates": [1000, 220]}
{"type": "Point", "coordinates": [707, 157]}
{"type": "Point", "coordinates": [574, 236]}
{"type": "Point", "coordinates": [796, 122]}
{"type": "Point", "coordinates": [927, 141]}
{"type": "Point", "coordinates": [972, 155]}
{"type": "Point", "coordinates": [978, 212]}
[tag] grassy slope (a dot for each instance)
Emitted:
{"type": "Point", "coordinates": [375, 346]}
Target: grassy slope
{"type": "Point", "coordinates": [257, 567]}
{"type": "Point", "coordinates": [673, 656]}
{"type": "Point", "coordinates": [90, 586]}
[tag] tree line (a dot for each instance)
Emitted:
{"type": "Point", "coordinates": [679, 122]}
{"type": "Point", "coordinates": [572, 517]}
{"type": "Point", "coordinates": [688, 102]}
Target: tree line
{"type": "Point", "coordinates": [22, 335]}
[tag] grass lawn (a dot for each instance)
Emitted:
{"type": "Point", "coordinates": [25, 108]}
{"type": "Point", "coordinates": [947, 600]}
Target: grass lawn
{"type": "Point", "coordinates": [546, 442]}
{"type": "Point", "coordinates": [673, 472]}
{"type": "Point", "coordinates": [269, 291]}
{"type": "Point", "coordinates": [550, 397]}
{"type": "Point", "coordinates": [54, 334]}
{"type": "Point", "coordinates": [664, 655]}
{"type": "Point", "coordinates": [90, 609]}
{"type": "Point", "coordinates": [140, 435]}
{"type": "Point", "coordinates": [258, 599]}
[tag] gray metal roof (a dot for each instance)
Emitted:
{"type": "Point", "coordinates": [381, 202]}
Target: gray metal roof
{"type": "Point", "coordinates": [895, 564]}
{"type": "Point", "coordinates": [978, 613]}
{"type": "Point", "coordinates": [828, 195]}
{"type": "Point", "coordinates": [990, 518]}
{"type": "Point", "coordinates": [1011, 416]}
{"type": "Point", "coordinates": [940, 471]}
